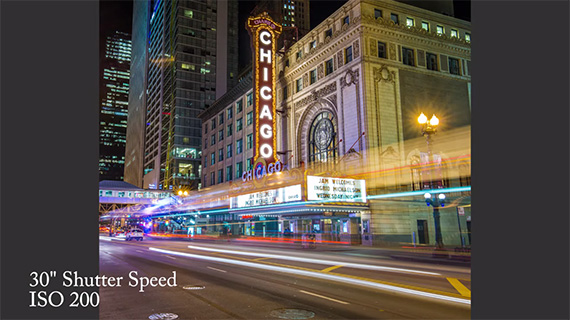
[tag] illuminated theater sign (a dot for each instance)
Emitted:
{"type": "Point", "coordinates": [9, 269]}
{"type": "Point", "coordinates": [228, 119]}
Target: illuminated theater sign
{"type": "Point", "coordinates": [335, 189]}
{"type": "Point", "coordinates": [264, 33]}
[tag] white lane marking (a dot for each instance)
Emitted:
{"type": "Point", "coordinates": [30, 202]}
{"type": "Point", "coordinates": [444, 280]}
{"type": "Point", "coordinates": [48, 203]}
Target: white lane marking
{"type": "Point", "coordinates": [170, 257]}
{"type": "Point", "coordinates": [319, 275]}
{"type": "Point", "coordinates": [217, 269]}
{"type": "Point", "coordinates": [326, 262]}
{"type": "Point", "coordinates": [318, 295]}
{"type": "Point", "coordinates": [140, 251]}
{"type": "Point", "coordinates": [104, 238]}
{"type": "Point", "coordinates": [110, 238]}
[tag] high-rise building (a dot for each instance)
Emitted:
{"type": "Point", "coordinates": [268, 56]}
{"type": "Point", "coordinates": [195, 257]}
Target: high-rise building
{"type": "Point", "coordinates": [185, 52]}
{"type": "Point", "coordinates": [114, 105]}
{"type": "Point", "coordinates": [292, 15]}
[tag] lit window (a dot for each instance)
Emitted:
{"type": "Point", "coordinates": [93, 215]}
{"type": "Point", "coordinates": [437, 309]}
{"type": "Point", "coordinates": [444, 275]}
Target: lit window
{"type": "Point", "coordinates": [230, 112]}
{"type": "Point", "coordinates": [314, 44]}
{"type": "Point", "coordinates": [189, 13]}
{"type": "Point", "coordinates": [221, 155]}
{"type": "Point", "coordinates": [213, 140]}
{"type": "Point", "coordinates": [249, 99]}
{"type": "Point", "coordinates": [299, 84]}
{"type": "Point", "coordinates": [229, 150]}
{"type": "Point", "coordinates": [230, 129]}
{"type": "Point", "coordinates": [239, 146]}
{"type": "Point", "coordinates": [439, 30]}
{"type": "Point", "coordinates": [409, 22]}
{"type": "Point", "coordinates": [213, 159]}
{"type": "Point", "coordinates": [454, 33]}
{"type": "Point", "coordinates": [239, 124]}
{"type": "Point", "coordinates": [229, 172]}
{"type": "Point", "coordinates": [425, 26]}
{"type": "Point", "coordinates": [467, 37]}
{"type": "Point", "coordinates": [299, 54]}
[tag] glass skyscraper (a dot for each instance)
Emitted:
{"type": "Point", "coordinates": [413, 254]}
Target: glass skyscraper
{"type": "Point", "coordinates": [183, 54]}
{"type": "Point", "coordinates": [114, 106]}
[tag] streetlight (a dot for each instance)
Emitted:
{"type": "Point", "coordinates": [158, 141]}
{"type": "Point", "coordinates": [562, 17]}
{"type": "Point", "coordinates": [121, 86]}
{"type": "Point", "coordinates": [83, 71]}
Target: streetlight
{"type": "Point", "coordinates": [436, 203]}
{"type": "Point", "coordinates": [429, 128]}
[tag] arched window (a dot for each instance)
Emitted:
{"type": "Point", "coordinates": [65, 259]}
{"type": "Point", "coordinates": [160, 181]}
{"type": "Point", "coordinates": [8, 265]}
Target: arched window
{"type": "Point", "coordinates": [323, 145]}
{"type": "Point", "coordinates": [416, 173]}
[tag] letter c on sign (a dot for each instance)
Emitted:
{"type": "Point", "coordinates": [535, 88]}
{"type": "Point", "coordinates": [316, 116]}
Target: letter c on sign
{"type": "Point", "coordinates": [263, 35]}
{"type": "Point", "coordinates": [265, 96]}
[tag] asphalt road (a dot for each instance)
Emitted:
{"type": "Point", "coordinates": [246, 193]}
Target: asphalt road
{"type": "Point", "coordinates": [229, 281]}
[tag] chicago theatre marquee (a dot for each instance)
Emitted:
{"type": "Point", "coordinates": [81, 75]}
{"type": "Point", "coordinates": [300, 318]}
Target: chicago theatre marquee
{"type": "Point", "coordinates": [315, 134]}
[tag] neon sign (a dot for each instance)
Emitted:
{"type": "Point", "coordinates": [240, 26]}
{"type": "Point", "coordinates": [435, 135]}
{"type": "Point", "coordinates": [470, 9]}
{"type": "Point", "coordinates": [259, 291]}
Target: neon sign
{"type": "Point", "coordinates": [264, 33]}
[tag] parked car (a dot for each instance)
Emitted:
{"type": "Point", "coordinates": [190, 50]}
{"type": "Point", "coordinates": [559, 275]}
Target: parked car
{"type": "Point", "coordinates": [134, 233]}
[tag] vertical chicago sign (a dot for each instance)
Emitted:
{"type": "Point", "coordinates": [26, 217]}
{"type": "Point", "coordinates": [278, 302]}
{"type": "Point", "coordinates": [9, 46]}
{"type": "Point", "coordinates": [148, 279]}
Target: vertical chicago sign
{"type": "Point", "coordinates": [264, 33]}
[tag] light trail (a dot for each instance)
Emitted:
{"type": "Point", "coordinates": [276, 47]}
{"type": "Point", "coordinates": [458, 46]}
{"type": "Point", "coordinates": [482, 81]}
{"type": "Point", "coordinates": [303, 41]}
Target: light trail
{"type": "Point", "coordinates": [325, 276]}
{"type": "Point", "coordinates": [327, 262]}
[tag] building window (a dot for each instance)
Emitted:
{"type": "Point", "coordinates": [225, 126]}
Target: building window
{"type": "Point", "coordinates": [230, 129]}
{"type": "Point", "coordinates": [229, 172]}
{"type": "Point", "coordinates": [249, 99]}
{"type": "Point", "coordinates": [453, 33]}
{"type": "Point", "coordinates": [239, 169]}
{"type": "Point", "coordinates": [408, 56]}
{"type": "Point", "coordinates": [394, 18]}
{"type": "Point", "coordinates": [328, 33]}
{"type": "Point", "coordinates": [299, 83]}
{"type": "Point", "coordinates": [313, 76]}
{"type": "Point", "coordinates": [431, 61]}
{"type": "Point", "coordinates": [313, 44]}
{"type": "Point", "coordinates": [467, 37]}
{"type": "Point", "coordinates": [287, 62]}
{"type": "Point", "coordinates": [220, 155]}
{"type": "Point", "coordinates": [439, 30]}
{"type": "Point", "coordinates": [249, 141]}
{"type": "Point", "coordinates": [239, 124]}
{"type": "Point", "coordinates": [454, 66]}
{"type": "Point", "coordinates": [328, 67]}
{"type": "Point", "coordinates": [348, 54]}
{"type": "Point", "coordinates": [188, 13]}
{"type": "Point", "coordinates": [425, 26]}
{"type": "Point", "coordinates": [220, 135]}
{"type": "Point", "coordinates": [229, 151]}
{"type": "Point", "coordinates": [213, 123]}
{"type": "Point", "coordinates": [230, 112]}
{"type": "Point", "coordinates": [322, 138]}
{"type": "Point", "coordinates": [381, 50]}
{"type": "Point", "coordinates": [220, 175]}
{"type": "Point", "coordinates": [206, 127]}
{"type": "Point", "coordinates": [377, 13]}
{"type": "Point", "coordinates": [206, 161]}
{"type": "Point", "coordinates": [239, 106]}
{"type": "Point", "coordinates": [346, 20]}
{"type": "Point", "coordinates": [212, 178]}
{"type": "Point", "coordinates": [213, 159]}
{"type": "Point", "coordinates": [409, 22]}
{"type": "Point", "coordinates": [249, 118]}
{"type": "Point", "coordinates": [221, 118]}
{"type": "Point", "coordinates": [284, 92]}
{"type": "Point", "coordinates": [299, 55]}
{"type": "Point", "coordinates": [205, 180]}
{"type": "Point", "coordinates": [213, 140]}
{"type": "Point", "coordinates": [239, 146]}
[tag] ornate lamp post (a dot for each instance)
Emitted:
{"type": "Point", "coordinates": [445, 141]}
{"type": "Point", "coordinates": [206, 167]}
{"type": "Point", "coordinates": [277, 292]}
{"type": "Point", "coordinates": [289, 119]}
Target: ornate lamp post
{"type": "Point", "coordinates": [436, 202]}
{"type": "Point", "coordinates": [429, 128]}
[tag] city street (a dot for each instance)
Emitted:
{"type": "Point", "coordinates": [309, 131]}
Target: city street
{"type": "Point", "coordinates": [217, 280]}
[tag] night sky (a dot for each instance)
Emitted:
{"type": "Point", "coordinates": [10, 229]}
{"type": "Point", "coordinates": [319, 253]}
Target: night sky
{"type": "Point", "coordinates": [117, 16]}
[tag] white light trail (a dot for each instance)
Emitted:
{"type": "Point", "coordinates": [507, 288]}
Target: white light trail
{"type": "Point", "coordinates": [320, 275]}
{"type": "Point", "coordinates": [324, 297]}
{"type": "Point", "coordinates": [326, 262]}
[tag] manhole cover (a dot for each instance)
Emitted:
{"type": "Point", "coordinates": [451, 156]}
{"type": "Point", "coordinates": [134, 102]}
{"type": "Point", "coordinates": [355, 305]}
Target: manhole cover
{"type": "Point", "coordinates": [292, 314]}
{"type": "Point", "coordinates": [193, 287]}
{"type": "Point", "coordinates": [163, 316]}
